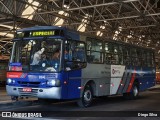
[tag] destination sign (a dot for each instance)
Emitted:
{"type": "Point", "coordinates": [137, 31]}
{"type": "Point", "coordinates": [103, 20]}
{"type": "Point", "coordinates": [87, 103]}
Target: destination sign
{"type": "Point", "coordinates": [39, 33]}
{"type": "Point", "coordinates": [43, 33]}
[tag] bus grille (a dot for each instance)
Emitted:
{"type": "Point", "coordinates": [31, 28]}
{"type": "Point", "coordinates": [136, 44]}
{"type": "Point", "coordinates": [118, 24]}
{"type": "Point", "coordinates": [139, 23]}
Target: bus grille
{"type": "Point", "coordinates": [34, 92]}
{"type": "Point", "coordinates": [29, 84]}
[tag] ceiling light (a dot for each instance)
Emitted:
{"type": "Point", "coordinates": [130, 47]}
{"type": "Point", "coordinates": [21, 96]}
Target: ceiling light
{"type": "Point", "coordinates": [66, 6]}
{"type": "Point", "coordinates": [6, 34]}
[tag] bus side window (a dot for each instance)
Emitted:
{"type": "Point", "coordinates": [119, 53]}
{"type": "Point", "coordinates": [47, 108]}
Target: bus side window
{"type": "Point", "coordinates": [121, 55]}
{"type": "Point", "coordinates": [139, 57]}
{"type": "Point", "coordinates": [90, 58]}
{"type": "Point", "coordinates": [79, 54]}
{"type": "Point", "coordinates": [144, 58]}
{"type": "Point", "coordinates": [74, 55]}
{"type": "Point", "coordinates": [108, 53]}
{"type": "Point", "coordinates": [150, 62]}
{"type": "Point", "coordinates": [115, 54]}
{"type": "Point", "coordinates": [134, 57]}
{"type": "Point", "coordinates": [126, 56]}
{"type": "Point", "coordinates": [152, 59]}
{"type": "Point", "coordinates": [94, 51]}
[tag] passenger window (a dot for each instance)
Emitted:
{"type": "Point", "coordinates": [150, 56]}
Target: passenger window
{"type": "Point", "coordinates": [112, 53]}
{"type": "Point", "coordinates": [126, 55]}
{"type": "Point", "coordinates": [150, 60]}
{"type": "Point", "coordinates": [144, 58]}
{"type": "Point", "coordinates": [107, 53]}
{"type": "Point", "coordinates": [94, 51]}
{"type": "Point", "coordinates": [121, 55]}
{"type": "Point", "coordinates": [115, 59]}
{"type": "Point", "coordinates": [134, 57]}
{"type": "Point", "coordinates": [139, 57]}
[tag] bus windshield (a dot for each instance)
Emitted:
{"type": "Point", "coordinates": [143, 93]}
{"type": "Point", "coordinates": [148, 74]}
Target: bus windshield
{"type": "Point", "coordinates": [36, 55]}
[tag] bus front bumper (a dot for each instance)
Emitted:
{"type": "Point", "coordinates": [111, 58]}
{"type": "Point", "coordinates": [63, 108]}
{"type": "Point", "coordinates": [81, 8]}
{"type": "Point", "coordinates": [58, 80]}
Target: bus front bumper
{"type": "Point", "coordinates": [48, 93]}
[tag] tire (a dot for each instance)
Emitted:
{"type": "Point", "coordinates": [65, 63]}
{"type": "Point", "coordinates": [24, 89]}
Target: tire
{"type": "Point", "coordinates": [87, 97]}
{"type": "Point", "coordinates": [133, 94]}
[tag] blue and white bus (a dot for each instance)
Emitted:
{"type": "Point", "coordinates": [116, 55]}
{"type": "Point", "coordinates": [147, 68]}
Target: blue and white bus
{"type": "Point", "coordinates": [85, 67]}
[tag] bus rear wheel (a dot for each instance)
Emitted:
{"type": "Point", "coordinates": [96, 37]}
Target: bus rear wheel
{"type": "Point", "coordinates": [87, 97]}
{"type": "Point", "coordinates": [133, 94]}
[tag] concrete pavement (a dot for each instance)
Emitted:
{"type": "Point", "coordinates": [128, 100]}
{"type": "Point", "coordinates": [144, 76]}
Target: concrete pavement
{"type": "Point", "coordinates": [6, 102]}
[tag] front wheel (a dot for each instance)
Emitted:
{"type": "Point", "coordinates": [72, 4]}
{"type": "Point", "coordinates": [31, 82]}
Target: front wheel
{"type": "Point", "coordinates": [87, 97]}
{"type": "Point", "coordinates": [133, 94]}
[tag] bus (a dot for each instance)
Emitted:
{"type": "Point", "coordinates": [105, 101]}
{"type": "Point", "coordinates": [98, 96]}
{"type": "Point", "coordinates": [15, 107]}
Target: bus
{"type": "Point", "coordinates": [157, 77]}
{"type": "Point", "coordinates": [3, 71]}
{"type": "Point", "coordinates": [87, 67]}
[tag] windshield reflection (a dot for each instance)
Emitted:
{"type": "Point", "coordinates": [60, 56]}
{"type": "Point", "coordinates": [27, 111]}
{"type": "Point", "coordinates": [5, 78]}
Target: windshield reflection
{"type": "Point", "coordinates": [37, 55]}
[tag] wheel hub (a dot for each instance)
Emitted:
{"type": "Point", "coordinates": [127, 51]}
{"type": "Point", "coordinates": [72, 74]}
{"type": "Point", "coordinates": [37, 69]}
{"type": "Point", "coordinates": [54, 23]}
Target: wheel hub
{"type": "Point", "coordinates": [135, 91]}
{"type": "Point", "coordinates": [87, 95]}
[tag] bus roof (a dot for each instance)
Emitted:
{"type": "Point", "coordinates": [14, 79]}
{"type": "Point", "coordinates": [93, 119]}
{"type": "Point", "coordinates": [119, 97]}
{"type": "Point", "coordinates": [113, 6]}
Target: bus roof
{"type": "Point", "coordinates": [41, 28]}
{"type": "Point", "coordinates": [34, 28]}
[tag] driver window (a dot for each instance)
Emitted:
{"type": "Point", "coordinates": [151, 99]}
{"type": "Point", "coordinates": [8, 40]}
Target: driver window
{"type": "Point", "coordinates": [74, 55]}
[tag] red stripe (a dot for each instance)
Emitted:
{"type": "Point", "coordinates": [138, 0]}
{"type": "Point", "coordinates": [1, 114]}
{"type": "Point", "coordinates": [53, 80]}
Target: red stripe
{"type": "Point", "coordinates": [14, 74]}
{"type": "Point", "coordinates": [25, 74]}
{"type": "Point", "coordinates": [131, 81]}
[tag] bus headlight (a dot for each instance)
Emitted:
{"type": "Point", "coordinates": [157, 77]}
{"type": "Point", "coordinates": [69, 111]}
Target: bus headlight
{"type": "Point", "coordinates": [10, 81]}
{"type": "Point", "coordinates": [53, 82]}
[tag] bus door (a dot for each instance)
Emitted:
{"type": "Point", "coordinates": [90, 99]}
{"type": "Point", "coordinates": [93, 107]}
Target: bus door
{"type": "Point", "coordinates": [73, 83]}
{"type": "Point", "coordinates": [75, 61]}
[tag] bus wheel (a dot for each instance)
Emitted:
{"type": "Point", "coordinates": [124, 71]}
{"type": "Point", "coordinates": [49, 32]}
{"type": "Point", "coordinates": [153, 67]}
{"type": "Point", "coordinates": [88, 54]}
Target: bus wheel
{"type": "Point", "coordinates": [87, 97]}
{"type": "Point", "coordinates": [133, 94]}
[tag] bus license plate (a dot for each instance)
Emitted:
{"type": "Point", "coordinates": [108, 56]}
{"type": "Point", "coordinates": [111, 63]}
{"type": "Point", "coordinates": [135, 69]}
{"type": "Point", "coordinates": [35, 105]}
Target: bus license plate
{"type": "Point", "coordinates": [27, 89]}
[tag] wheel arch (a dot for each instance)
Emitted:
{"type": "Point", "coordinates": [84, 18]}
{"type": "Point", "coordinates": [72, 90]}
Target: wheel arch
{"type": "Point", "coordinates": [93, 86]}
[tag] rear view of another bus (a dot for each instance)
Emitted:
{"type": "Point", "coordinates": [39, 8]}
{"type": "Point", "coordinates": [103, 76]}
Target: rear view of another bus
{"type": "Point", "coordinates": [158, 76]}
{"type": "Point", "coordinates": [3, 68]}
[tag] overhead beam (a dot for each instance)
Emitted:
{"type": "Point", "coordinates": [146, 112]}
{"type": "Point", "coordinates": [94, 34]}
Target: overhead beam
{"type": "Point", "coordinates": [100, 5]}
{"type": "Point", "coordinates": [129, 17]}
{"type": "Point", "coordinates": [6, 7]}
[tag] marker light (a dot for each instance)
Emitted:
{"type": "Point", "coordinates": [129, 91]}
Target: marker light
{"type": "Point", "coordinates": [13, 81]}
